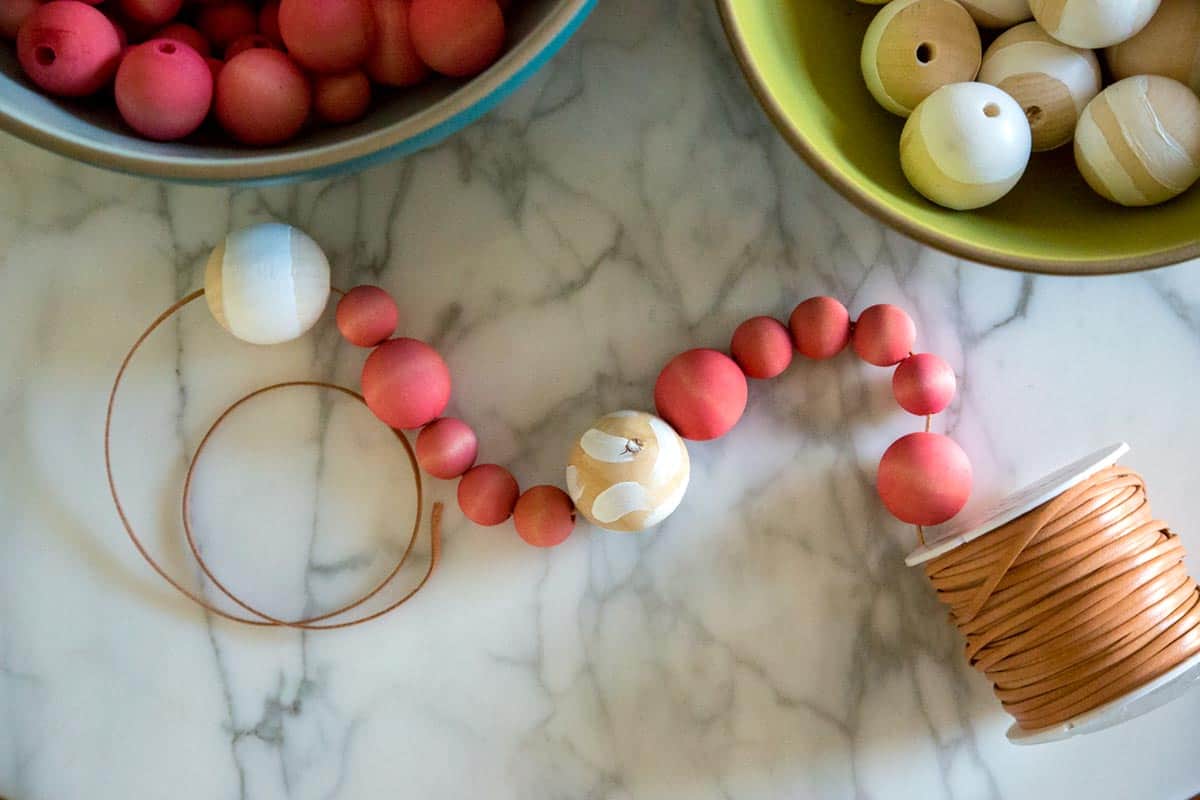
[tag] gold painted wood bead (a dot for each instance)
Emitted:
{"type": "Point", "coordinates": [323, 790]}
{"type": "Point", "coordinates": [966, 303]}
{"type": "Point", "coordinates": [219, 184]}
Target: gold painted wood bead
{"type": "Point", "coordinates": [1093, 23]}
{"type": "Point", "coordinates": [1053, 82]}
{"type": "Point", "coordinates": [965, 146]}
{"type": "Point", "coordinates": [628, 471]}
{"type": "Point", "coordinates": [912, 47]}
{"type": "Point", "coordinates": [1169, 45]}
{"type": "Point", "coordinates": [1138, 141]}
{"type": "Point", "coordinates": [997, 13]}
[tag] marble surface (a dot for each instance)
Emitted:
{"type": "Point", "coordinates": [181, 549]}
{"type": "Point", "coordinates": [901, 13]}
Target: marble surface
{"type": "Point", "coordinates": [766, 642]}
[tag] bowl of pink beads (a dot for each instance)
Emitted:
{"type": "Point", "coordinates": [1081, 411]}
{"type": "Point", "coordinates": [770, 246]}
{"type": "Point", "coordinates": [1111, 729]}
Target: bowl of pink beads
{"type": "Point", "coordinates": [253, 91]}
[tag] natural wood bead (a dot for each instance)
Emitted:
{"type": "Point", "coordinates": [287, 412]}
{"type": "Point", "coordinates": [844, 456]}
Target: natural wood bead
{"type": "Point", "coordinates": [1169, 45]}
{"type": "Point", "coordinates": [1053, 82]}
{"type": "Point", "coordinates": [1092, 23]}
{"type": "Point", "coordinates": [912, 47]}
{"type": "Point", "coordinates": [997, 13]}
{"type": "Point", "coordinates": [1138, 141]}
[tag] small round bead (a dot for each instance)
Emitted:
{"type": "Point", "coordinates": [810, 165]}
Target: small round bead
{"type": "Point", "coordinates": [923, 384]}
{"type": "Point", "coordinates": [225, 22]}
{"type": "Point", "coordinates": [186, 34]}
{"type": "Point", "coordinates": [262, 97]}
{"type": "Point", "coordinates": [701, 393]}
{"type": "Point", "coordinates": [68, 48]}
{"type": "Point", "coordinates": [13, 13]}
{"type": "Point", "coordinates": [394, 60]}
{"type": "Point", "coordinates": [884, 335]}
{"type": "Point", "coordinates": [459, 38]}
{"type": "Point", "coordinates": [544, 516]}
{"type": "Point", "coordinates": [446, 448]}
{"type": "Point", "coordinates": [248, 42]}
{"type": "Point", "coordinates": [762, 347]}
{"type": "Point", "coordinates": [924, 479]}
{"type": "Point", "coordinates": [268, 22]}
{"type": "Point", "coordinates": [820, 327]}
{"type": "Point", "coordinates": [367, 315]}
{"type": "Point", "coordinates": [151, 12]}
{"type": "Point", "coordinates": [1093, 23]}
{"type": "Point", "coordinates": [341, 99]}
{"type": "Point", "coordinates": [487, 494]}
{"type": "Point", "coordinates": [406, 383]}
{"type": "Point", "coordinates": [164, 89]}
{"type": "Point", "coordinates": [327, 35]}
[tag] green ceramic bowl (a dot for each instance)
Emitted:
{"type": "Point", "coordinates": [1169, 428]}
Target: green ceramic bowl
{"type": "Point", "coordinates": [801, 59]}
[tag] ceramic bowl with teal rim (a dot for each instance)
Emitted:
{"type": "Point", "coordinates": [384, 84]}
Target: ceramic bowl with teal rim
{"type": "Point", "coordinates": [801, 58]}
{"type": "Point", "coordinates": [400, 122]}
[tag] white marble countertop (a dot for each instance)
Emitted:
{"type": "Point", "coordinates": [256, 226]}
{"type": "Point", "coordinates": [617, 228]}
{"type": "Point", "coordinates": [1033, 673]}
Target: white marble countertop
{"type": "Point", "coordinates": [766, 642]}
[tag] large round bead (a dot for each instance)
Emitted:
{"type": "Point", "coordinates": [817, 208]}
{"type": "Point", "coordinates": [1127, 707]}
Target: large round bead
{"type": "Point", "coordinates": [1169, 45]}
{"type": "Point", "coordinates": [628, 471]}
{"type": "Point", "coordinates": [702, 393]}
{"type": "Point", "coordinates": [267, 284]}
{"type": "Point", "coordinates": [1093, 23]}
{"type": "Point", "coordinates": [924, 478]}
{"type": "Point", "coordinates": [406, 383]}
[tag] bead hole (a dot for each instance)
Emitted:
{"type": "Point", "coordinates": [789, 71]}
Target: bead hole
{"type": "Point", "coordinates": [44, 55]}
{"type": "Point", "coordinates": [926, 52]}
{"type": "Point", "coordinates": [167, 47]}
{"type": "Point", "coordinates": [1034, 114]}
{"type": "Point", "coordinates": [991, 110]}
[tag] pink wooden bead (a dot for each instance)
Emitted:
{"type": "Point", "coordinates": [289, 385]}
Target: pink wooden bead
{"type": "Point", "coordinates": [262, 97]}
{"type": "Point", "coordinates": [404, 381]}
{"type": "Point", "coordinates": [151, 12]}
{"type": "Point", "coordinates": [327, 35]}
{"type": "Point", "coordinates": [487, 494]}
{"type": "Point", "coordinates": [68, 48]}
{"type": "Point", "coordinates": [186, 34]}
{"type": "Point", "coordinates": [343, 98]}
{"type": "Point", "coordinates": [394, 61]}
{"type": "Point", "coordinates": [227, 21]}
{"type": "Point", "coordinates": [268, 22]}
{"type": "Point", "coordinates": [884, 335]}
{"type": "Point", "coordinates": [248, 42]}
{"type": "Point", "coordinates": [459, 38]}
{"type": "Point", "coordinates": [164, 89]}
{"type": "Point", "coordinates": [13, 13]}
{"type": "Point", "coordinates": [820, 327]}
{"type": "Point", "coordinates": [923, 384]}
{"type": "Point", "coordinates": [701, 393]}
{"type": "Point", "coordinates": [446, 448]}
{"type": "Point", "coordinates": [367, 315]}
{"type": "Point", "coordinates": [762, 347]}
{"type": "Point", "coordinates": [544, 516]}
{"type": "Point", "coordinates": [924, 479]}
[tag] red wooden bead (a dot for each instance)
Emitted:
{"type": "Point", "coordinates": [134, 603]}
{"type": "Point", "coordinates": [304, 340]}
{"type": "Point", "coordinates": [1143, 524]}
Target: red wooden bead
{"type": "Point", "coordinates": [394, 61]}
{"type": "Point", "coordinates": [248, 42]}
{"type": "Point", "coordinates": [459, 38]}
{"type": "Point", "coordinates": [446, 448]}
{"type": "Point", "coordinates": [884, 335]}
{"type": "Point", "coordinates": [262, 97]}
{"type": "Point", "coordinates": [820, 327]}
{"type": "Point", "coordinates": [164, 89]}
{"type": "Point", "coordinates": [327, 35]}
{"type": "Point", "coordinates": [923, 384]}
{"type": "Point", "coordinates": [924, 479]}
{"type": "Point", "coordinates": [405, 382]}
{"type": "Point", "coordinates": [227, 21]}
{"type": "Point", "coordinates": [701, 393]}
{"type": "Point", "coordinates": [367, 315]}
{"type": "Point", "coordinates": [68, 48]}
{"type": "Point", "coordinates": [544, 516]}
{"type": "Point", "coordinates": [13, 13]}
{"type": "Point", "coordinates": [762, 347]}
{"type": "Point", "coordinates": [186, 34]}
{"type": "Point", "coordinates": [487, 494]}
{"type": "Point", "coordinates": [343, 98]}
{"type": "Point", "coordinates": [151, 12]}
{"type": "Point", "coordinates": [268, 22]}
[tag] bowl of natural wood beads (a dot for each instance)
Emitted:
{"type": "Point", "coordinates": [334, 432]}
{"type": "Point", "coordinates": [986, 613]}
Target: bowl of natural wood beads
{"type": "Point", "coordinates": [1054, 136]}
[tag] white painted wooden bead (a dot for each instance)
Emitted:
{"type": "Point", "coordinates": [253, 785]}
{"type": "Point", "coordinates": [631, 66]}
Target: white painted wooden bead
{"type": "Point", "coordinates": [1169, 45]}
{"type": "Point", "coordinates": [914, 46]}
{"type": "Point", "coordinates": [998, 13]}
{"type": "Point", "coordinates": [267, 284]}
{"type": "Point", "coordinates": [1093, 23]}
{"type": "Point", "coordinates": [965, 146]}
{"type": "Point", "coordinates": [1138, 141]}
{"type": "Point", "coordinates": [628, 471]}
{"type": "Point", "coordinates": [1053, 82]}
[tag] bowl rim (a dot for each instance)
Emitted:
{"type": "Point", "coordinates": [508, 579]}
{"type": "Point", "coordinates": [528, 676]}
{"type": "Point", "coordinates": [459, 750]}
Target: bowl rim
{"type": "Point", "coordinates": [426, 127]}
{"type": "Point", "coordinates": [924, 233]}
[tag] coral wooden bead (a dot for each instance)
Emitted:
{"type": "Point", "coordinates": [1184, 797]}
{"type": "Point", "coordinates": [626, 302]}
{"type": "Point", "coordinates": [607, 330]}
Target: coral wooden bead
{"type": "Point", "coordinates": [544, 516]}
{"type": "Point", "coordinates": [459, 38]}
{"type": "Point", "coordinates": [13, 13]}
{"type": "Point", "coordinates": [1093, 23]}
{"type": "Point", "coordinates": [343, 98]}
{"type": "Point", "coordinates": [225, 22]}
{"type": "Point", "coordinates": [250, 41]}
{"type": "Point", "coordinates": [884, 335]}
{"type": "Point", "coordinates": [966, 145]}
{"type": "Point", "coordinates": [487, 494]}
{"type": "Point", "coordinates": [262, 97]}
{"type": "Point", "coordinates": [151, 12]}
{"type": "Point", "coordinates": [913, 47]}
{"type": "Point", "coordinates": [701, 393]}
{"type": "Point", "coordinates": [327, 35]}
{"type": "Point", "coordinates": [820, 327]}
{"type": "Point", "coordinates": [367, 315]}
{"type": "Point", "coordinates": [1051, 81]}
{"type": "Point", "coordinates": [923, 384]}
{"type": "Point", "coordinates": [394, 60]}
{"type": "Point", "coordinates": [68, 48]}
{"type": "Point", "coordinates": [1138, 141]}
{"type": "Point", "coordinates": [997, 13]}
{"type": "Point", "coordinates": [446, 448]}
{"type": "Point", "coordinates": [186, 34]}
{"type": "Point", "coordinates": [762, 347]}
{"type": "Point", "coordinates": [267, 284]}
{"type": "Point", "coordinates": [268, 22]}
{"type": "Point", "coordinates": [1169, 45]}
{"type": "Point", "coordinates": [924, 479]}
{"type": "Point", "coordinates": [406, 383]}
{"type": "Point", "coordinates": [629, 471]}
{"type": "Point", "coordinates": [164, 89]}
